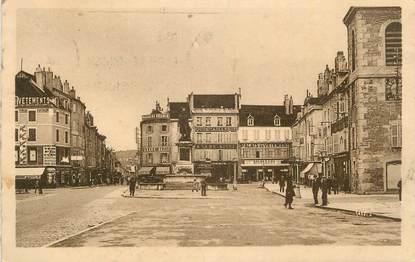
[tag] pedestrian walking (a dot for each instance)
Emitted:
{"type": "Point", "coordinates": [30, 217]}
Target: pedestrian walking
{"type": "Point", "coordinates": [335, 186]}
{"type": "Point", "coordinates": [400, 189]}
{"type": "Point", "coordinates": [132, 185]}
{"type": "Point", "coordinates": [324, 189]}
{"type": "Point", "coordinates": [203, 186]}
{"type": "Point", "coordinates": [315, 188]}
{"type": "Point", "coordinates": [42, 182]}
{"type": "Point", "coordinates": [36, 185]}
{"type": "Point", "coordinates": [195, 186]}
{"type": "Point", "coordinates": [26, 185]}
{"type": "Point", "coordinates": [329, 185]}
{"type": "Point", "coordinates": [282, 183]}
{"type": "Point", "coordinates": [289, 194]}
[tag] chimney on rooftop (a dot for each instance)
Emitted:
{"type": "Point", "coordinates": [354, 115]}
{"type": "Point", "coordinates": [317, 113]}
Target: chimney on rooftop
{"type": "Point", "coordinates": [291, 106]}
{"type": "Point", "coordinates": [66, 87]}
{"type": "Point", "coordinates": [40, 77]}
{"type": "Point", "coordinates": [72, 92]}
{"type": "Point", "coordinates": [286, 105]}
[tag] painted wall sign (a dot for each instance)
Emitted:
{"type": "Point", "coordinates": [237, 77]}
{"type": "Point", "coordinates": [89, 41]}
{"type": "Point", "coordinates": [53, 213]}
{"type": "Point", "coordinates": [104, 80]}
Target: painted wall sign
{"type": "Point", "coordinates": [32, 100]}
{"type": "Point", "coordinates": [215, 146]}
{"type": "Point", "coordinates": [216, 129]}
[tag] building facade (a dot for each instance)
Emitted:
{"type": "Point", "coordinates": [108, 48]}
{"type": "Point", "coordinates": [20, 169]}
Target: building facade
{"type": "Point", "coordinates": [42, 127]}
{"type": "Point", "coordinates": [375, 90]}
{"type": "Point", "coordinates": [265, 140]}
{"type": "Point", "coordinates": [156, 146]}
{"type": "Point", "coordinates": [215, 134]}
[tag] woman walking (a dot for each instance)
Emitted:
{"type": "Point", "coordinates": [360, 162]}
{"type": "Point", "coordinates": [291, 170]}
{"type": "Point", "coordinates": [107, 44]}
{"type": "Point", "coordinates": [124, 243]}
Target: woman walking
{"type": "Point", "coordinates": [289, 194]}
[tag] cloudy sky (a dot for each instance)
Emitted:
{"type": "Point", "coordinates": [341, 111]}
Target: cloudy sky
{"type": "Point", "coordinates": [122, 61]}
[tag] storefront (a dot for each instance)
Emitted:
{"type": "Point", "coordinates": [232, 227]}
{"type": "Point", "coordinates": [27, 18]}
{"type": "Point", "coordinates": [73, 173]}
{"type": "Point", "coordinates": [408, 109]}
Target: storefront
{"type": "Point", "coordinates": [263, 169]}
{"type": "Point", "coordinates": [340, 170]}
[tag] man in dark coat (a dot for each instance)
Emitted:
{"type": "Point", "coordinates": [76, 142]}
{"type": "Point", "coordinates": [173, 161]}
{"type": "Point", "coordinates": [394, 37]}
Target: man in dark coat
{"type": "Point", "coordinates": [324, 187]}
{"type": "Point", "coordinates": [315, 188]}
{"type": "Point", "coordinates": [203, 186]}
{"type": "Point", "coordinates": [289, 194]}
{"type": "Point", "coordinates": [400, 189]}
{"type": "Point", "coordinates": [282, 183]}
{"type": "Point", "coordinates": [132, 184]}
{"type": "Point", "coordinates": [42, 182]}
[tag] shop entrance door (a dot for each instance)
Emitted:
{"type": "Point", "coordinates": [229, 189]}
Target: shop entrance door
{"type": "Point", "coordinates": [393, 175]}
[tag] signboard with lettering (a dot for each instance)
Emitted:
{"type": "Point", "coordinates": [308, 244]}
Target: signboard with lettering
{"type": "Point", "coordinates": [263, 162]}
{"type": "Point", "coordinates": [32, 100]}
{"type": "Point", "coordinates": [49, 155]}
{"type": "Point", "coordinates": [264, 145]}
{"type": "Point", "coordinates": [215, 146]}
{"type": "Point", "coordinates": [156, 149]}
{"type": "Point", "coordinates": [216, 129]}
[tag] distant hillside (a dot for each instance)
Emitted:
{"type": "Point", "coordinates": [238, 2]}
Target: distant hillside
{"type": "Point", "coordinates": [127, 157]}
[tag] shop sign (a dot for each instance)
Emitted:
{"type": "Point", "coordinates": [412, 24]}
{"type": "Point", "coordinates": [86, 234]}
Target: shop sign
{"type": "Point", "coordinates": [156, 149]}
{"type": "Point", "coordinates": [49, 155]}
{"type": "Point", "coordinates": [215, 146]}
{"type": "Point", "coordinates": [265, 145]}
{"type": "Point", "coordinates": [215, 129]}
{"type": "Point", "coordinates": [32, 100]}
{"type": "Point", "coordinates": [265, 162]}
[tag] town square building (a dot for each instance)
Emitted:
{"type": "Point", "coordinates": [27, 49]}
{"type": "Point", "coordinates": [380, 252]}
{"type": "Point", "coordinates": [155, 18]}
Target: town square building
{"type": "Point", "coordinates": [375, 88]}
{"type": "Point", "coordinates": [215, 134]}
{"type": "Point", "coordinates": [265, 139]}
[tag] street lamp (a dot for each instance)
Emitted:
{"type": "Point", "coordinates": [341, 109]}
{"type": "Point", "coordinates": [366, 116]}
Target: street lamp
{"type": "Point", "coordinates": [235, 170]}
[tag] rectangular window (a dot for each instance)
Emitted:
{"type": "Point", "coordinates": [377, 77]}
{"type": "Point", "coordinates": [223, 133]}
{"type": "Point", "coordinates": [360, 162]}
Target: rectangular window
{"type": "Point", "coordinates": [244, 134]}
{"type": "Point", "coordinates": [150, 158]}
{"type": "Point", "coordinates": [149, 129]}
{"type": "Point", "coordinates": [228, 121]}
{"type": "Point", "coordinates": [164, 128]}
{"type": "Point", "coordinates": [257, 154]}
{"type": "Point", "coordinates": [73, 107]}
{"type": "Point", "coordinates": [66, 137]}
{"type": "Point", "coordinates": [199, 137]}
{"type": "Point", "coordinates": [256, 134]}
{"type": "Point", "coordinates": [267, 134]}
{"type": "Point", "coordinates": [16, 134]}
{"type": "Point", "coordinates": [220, 137]}
{"type": "Point", "coordinates": [353, 138]}
{"type": "Point", "coordinates": [220, 121]}
{"type": "Point", "coordinates": [208, 137]}
{"type": "Point", "coordinates": [396, 135]}
{"type": "Point", "coordinates": [220, 155]}
{"type": "Point", "coordinates": [287, 134]}
{"type": "Point", "coordinates": [66, 119]}
{"type": "Point", "coordinates": [32, 115]}
{"type": "Point", "coordinates": [149, 141]}
{"type": "Point", "coordinates": [277, 134]}
{"type": "Point", "coordinates": [16, 115]}
{"type": "Point", "coordinates": [32, 134]}
{"type": "Point", "coordinates": [208, 121]}
{"type": "Point", "coordinates": [32, 155]}
{"type": "Point", "coordinates": [164, 140]}
{"type": "Point", "coordinates": [57, 117]}
{"type": "Point", "coordinates": [198, 121]}
{"type": "Point", "coordinates": [164, 158]}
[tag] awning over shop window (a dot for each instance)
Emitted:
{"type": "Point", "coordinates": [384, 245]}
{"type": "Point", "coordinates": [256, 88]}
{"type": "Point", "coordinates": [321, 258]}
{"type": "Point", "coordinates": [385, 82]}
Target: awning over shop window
{"type": "Point", "coordinates": [163, 170]}
{"type": "Point", "coordinates": [33, 173]}
{"type": "Point", "coordinates": [306, 170]}
{"type": "Point", "coordinates": [145, 170]}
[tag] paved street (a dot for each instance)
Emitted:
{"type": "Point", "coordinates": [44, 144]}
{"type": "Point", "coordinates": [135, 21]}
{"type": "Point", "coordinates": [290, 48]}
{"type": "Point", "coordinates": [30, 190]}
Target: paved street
{"type": "Point", "coordinates": [249, 217]}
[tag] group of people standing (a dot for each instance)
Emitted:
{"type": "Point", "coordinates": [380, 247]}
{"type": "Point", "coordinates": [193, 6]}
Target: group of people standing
{"type": "Point", "coordinates": [323, 183]}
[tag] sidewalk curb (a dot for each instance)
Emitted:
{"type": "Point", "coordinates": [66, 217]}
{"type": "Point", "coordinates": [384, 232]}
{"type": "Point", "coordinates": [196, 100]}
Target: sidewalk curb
{"type": "Point", "coordinates": [85, 230]}
{"type": "Point", "coordinates": [357, 213]}
{"type": "Point", "coordinates": [351, 212]}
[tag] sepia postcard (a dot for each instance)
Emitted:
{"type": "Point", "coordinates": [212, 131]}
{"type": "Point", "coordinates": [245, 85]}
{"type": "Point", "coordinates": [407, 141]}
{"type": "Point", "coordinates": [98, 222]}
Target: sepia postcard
{"type": "Point", "coordinates": [207, 130]}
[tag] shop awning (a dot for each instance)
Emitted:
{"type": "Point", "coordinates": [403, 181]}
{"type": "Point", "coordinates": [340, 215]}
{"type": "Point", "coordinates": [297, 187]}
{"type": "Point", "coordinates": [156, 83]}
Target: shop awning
{"type": "Point", "coordinates": [145, 170]}
{"type": "Point", "coordinates": [306, 170]}
{"type": "Point", "coordinates": [33, 173]}
{"type": "Point", "coordinates": [162, 170]}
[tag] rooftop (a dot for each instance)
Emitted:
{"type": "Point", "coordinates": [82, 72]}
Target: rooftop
{"type": "Point", "coordinates": [214, 101]}
{"type": "Point", "coordinates": [264, 115]}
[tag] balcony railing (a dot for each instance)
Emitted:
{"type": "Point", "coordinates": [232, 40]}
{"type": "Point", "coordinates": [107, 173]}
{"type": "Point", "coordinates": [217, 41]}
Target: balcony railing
{"type": "Point", "coordinates": [340, 124]}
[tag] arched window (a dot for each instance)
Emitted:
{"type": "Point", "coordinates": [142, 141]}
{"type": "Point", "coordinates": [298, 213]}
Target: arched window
{"type": "Point", "coordinates": [393, 44]}
{"type": "Point", "coordinates": [250, 121]}
{"type": "Point", "coordinates": [277, 121]}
